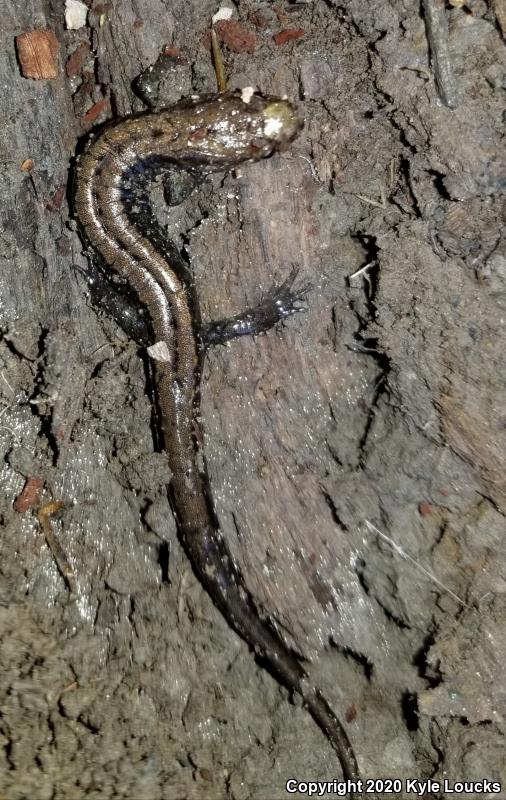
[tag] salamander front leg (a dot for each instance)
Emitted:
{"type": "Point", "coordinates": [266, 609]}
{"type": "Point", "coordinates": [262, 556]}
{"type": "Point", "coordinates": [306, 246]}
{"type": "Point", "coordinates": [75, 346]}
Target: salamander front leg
{"type": "Point", "coordinates": [281, 301]}
{"type": "Point", "coordinates": [164, 82]}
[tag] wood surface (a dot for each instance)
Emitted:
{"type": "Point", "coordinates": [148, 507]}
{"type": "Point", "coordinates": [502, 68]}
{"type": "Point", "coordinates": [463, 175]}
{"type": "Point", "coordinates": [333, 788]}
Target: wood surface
{"type": "Point", "coordinates": [356, 453]}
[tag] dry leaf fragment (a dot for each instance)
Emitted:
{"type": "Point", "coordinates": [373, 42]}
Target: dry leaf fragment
{"type": "Point", "coordinates": [37, 53]}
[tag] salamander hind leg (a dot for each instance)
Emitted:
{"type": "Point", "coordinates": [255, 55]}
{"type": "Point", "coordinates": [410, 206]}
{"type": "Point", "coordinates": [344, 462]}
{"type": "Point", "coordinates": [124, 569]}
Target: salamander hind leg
{"type": "Point", "coordinates": [280, 302]}
{"type": "Point", "coordinates": [117, 301]}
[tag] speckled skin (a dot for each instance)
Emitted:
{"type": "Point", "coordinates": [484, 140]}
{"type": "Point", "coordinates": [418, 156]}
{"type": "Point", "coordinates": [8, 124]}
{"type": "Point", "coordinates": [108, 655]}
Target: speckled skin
{"type": "Point", "coordinates": [201, 135]}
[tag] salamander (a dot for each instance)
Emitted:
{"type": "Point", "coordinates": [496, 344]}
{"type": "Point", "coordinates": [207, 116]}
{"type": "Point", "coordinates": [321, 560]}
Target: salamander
{"type": "Point", "coordinates": [113, 205]}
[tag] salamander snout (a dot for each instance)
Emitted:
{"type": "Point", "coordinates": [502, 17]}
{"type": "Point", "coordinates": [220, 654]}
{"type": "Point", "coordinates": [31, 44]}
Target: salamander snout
{"type": "Point", "coordinates": [282, 123]}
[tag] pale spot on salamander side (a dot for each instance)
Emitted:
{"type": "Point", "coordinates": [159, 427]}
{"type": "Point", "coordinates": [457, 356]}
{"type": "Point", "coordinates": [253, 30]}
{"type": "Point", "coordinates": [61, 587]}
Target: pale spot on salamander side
{"type": "Point", "coordinates": [159, 352]}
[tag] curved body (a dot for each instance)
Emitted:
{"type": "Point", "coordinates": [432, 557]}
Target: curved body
{"type": "Point", "coordinates": [113, 207]}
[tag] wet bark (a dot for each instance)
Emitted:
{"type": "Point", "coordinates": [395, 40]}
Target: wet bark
{"type": "Point", "coordinates": [356, 453]}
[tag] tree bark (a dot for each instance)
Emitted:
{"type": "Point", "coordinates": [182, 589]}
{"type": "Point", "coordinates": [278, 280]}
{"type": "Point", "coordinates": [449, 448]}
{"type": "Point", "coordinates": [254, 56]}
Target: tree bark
{"type": "Point", "coordinates": [356, 452]}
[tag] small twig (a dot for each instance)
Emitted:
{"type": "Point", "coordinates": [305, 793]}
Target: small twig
{"type": "Point", "coordinates": [436, 24]}
{"type": "Point", "coordinates": [362, 274]}
{"type": "Point", "coordinates": [312, 168]}
{"type": "Point", "coordinates": [371, 202]}
{"type": "Point", "coordinates": [94, 352]}
{"type": "Point", "coordinates": [219, 64]}
{"type": "Point", "coordinates": [7, 383]}
{"type": "Point", "coordinates": [361, 270]}
{"type": "Point", "coordinates": [420, 70]}
{"type": "Point", "coordinates": [13, 433]}
{"type": "Point", "coordinates": [373, 529]}
{"type": "Point", "coordinates": [391, 184]}
{"type": "Point", "coordinates": [44, 515]}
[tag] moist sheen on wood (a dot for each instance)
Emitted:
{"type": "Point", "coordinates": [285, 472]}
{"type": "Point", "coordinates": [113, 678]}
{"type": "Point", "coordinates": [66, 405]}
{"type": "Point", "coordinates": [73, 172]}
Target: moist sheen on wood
{"type": "Point", "coordinates": [379, 408]}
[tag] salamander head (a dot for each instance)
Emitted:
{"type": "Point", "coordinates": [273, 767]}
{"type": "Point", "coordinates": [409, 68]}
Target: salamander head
{"type": "Point", "coordinates": [225, 129]}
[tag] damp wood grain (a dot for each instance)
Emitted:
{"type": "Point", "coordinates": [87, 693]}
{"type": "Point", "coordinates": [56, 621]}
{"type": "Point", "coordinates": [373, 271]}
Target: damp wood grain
{"type": "Point", "coordinates": [379, 407]}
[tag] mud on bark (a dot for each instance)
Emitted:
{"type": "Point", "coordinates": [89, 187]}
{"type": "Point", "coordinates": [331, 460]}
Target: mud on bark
{"type": "Point", "coordinates": [370, 427]}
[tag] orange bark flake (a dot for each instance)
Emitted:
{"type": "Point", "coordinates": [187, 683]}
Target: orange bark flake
{"type": "Point", "coordinates": [288, 35]}
{"type": "Point", "coordinates": [425, 509]}
{"type": "Point", "coordinates": [38, 54]}
{"type": "Point", "coordinates": [258, 19]}
{"type": "Point", "coordinates": [96, 109]}
{"type": "Point", "coordinates": [29, 495]}
{"type": "Point", "coordinates": [237, 38]}
{"type": "Point", "coordinates": [57, 198]}
{"type": "Point", "coordinates": [75, 62]}
{"type": "Point", "coordinates": [281, 14]}
{"type": "Point", "coordinates": [175, 53]}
